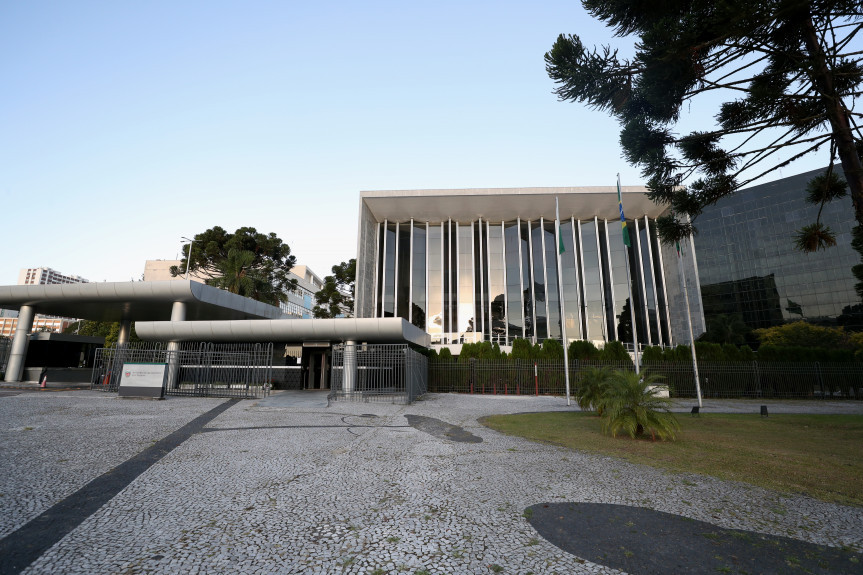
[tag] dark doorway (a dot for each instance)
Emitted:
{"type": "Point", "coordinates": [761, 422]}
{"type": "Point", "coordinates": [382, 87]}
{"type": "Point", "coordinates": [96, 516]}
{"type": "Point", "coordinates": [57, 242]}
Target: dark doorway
{"type": "Point", "coordinates": [316, 366]}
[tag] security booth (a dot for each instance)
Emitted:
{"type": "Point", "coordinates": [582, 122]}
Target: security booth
{"type": "Point", "coordinates": [67, 357]}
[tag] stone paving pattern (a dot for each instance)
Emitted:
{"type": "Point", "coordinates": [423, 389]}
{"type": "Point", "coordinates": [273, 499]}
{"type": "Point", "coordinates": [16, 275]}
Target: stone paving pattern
{"type": "Point", "coordinates": [351, 488]}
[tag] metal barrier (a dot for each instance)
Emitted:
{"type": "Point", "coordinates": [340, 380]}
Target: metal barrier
{"type": "Point", "coordinates": [729, 380]}
{"type": "Point", "coordinates": [196, 369]}
{"type": "Point", "coordinates": [379, 373]}
{"type": "Point", "coordinates": [108, 362]}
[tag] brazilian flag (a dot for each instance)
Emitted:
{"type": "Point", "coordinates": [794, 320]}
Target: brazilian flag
{"type": "Point", "coordinates": [626, 239]}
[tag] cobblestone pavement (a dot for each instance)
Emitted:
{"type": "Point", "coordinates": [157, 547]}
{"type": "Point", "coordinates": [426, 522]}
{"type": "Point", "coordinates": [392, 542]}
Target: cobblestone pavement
{"type": "Point", "coordinates": [351, 488]}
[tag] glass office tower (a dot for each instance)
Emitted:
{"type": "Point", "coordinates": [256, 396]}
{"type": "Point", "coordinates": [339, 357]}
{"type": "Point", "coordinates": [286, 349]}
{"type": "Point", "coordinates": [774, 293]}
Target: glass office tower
{"type": "Point", "coordinates": [469, 279]}
{"type": "Point", "coordinates": [749, 266]}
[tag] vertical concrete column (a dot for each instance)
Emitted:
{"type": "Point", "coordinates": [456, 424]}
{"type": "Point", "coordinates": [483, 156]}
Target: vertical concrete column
{"type": "Point", "coordinates": [125, 332]}
{"type": "Point", "coordinates": [350, 367]}
{"type": "Point", "coordinates": [15, 366]}
{"type": "Point", "coordinates": [178, 313]}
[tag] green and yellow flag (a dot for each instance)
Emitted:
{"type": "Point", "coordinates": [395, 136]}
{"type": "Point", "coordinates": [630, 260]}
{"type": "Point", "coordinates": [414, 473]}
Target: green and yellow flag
{"type": "Point", "coordinates": [626, 239]}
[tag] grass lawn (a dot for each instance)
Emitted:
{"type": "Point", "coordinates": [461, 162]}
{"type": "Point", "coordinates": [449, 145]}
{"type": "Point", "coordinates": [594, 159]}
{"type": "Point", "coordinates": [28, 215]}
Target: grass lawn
{"type": "Point", "coordinates": [818, 455]}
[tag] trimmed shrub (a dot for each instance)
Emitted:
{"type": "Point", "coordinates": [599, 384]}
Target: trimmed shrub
{"type": "Point", "coordinates": [652, 353]}
{"type": "Point", "coordinates": [552, 349]}
{"type": "Point", "coordinates": [521, 349]}
{"type": "Point", "coordinates": [583, 349]}
{"type": "Point", "coordinates": [614, 351]}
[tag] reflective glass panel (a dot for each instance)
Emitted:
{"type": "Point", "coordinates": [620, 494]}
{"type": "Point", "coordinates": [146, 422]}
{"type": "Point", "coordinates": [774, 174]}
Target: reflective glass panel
{"type": "Point", "coordinates": [418, 263]}
{"type": "Point", "coordinates": [622, 317]}
{"type": "Point", "coordinates": [527, 294]}
{"type": "Point", "coordinates": [515, 308]}
{"type": "Point", "coordinates": [568, 261]}
{"type": "Point", "coordinates": [552, 288]}
{"type": "Point", "coordinates": [379, 294]}
{"type": "Point", "coordinates": [403, 281]}
{"type": "Point", "coordinates": [466, 308]}
{"type": "Point", "coordinates": [496, 286]}
{"type": "Point", "coordinates": [660, 284]}
{"type": "Point", "coordinates": [480, 279]}
{"type": "Point", "coordinates": [649, 295]}
{"type": "Point", "coordinates": [389, 271]}
{"type": "Point", "coordinates": [539, 295]}
{"type": "Point", "coordinates": [592, 283]}
{"type": "Point", "coordinates": [434, 323]}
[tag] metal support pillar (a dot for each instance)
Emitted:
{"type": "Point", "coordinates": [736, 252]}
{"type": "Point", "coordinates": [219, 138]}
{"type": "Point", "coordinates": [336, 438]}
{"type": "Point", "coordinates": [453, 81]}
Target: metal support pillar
{"type": "Point", "coordinates": [350, 367]}
{"type": "Point", "coordinates": [15, 367]}
{"type": "Point", "coordinates": [178, 313]}
{"type": "Point", "coordinates": [125, 332]}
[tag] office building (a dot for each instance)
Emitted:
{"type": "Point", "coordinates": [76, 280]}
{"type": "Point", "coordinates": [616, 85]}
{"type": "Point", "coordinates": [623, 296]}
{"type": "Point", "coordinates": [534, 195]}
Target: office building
{"type": "Point", "coordinates": [481, 265]}
{"type": "Point", "coordinates": [46, 276]}
{"type": "Point", "coordinates": [749, 265]}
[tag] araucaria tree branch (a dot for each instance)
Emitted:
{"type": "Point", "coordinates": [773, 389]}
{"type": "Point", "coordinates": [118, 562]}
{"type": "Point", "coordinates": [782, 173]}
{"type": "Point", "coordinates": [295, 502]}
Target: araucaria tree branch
{"type": "Point", "coordinates": [788, 68]}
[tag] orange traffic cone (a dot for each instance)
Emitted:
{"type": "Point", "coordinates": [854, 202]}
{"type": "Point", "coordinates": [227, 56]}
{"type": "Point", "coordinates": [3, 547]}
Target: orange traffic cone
{"type": "Point", "coordinates": [44, 382]}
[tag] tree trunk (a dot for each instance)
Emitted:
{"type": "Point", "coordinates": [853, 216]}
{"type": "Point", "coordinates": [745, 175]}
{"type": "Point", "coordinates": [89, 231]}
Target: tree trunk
{"type": "Point", "coordinates": [822, 77]}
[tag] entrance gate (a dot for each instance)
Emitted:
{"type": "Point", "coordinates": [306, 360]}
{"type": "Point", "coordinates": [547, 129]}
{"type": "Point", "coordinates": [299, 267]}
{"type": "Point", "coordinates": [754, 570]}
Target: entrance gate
{"type": "Point", "coordinates": [196, 369]}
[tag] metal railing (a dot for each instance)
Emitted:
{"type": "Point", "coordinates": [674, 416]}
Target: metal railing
{"type": "Point", "coordinates": [745, 379]}
{"type": "Point", "coordinates": [378, 373]}
{"type": "Point", "coordinates": [196, 369]}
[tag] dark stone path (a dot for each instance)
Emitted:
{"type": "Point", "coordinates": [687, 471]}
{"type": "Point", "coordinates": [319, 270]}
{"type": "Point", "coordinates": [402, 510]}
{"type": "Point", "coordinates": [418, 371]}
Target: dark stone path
{"type": "Point", "coordinates": [646, 542]}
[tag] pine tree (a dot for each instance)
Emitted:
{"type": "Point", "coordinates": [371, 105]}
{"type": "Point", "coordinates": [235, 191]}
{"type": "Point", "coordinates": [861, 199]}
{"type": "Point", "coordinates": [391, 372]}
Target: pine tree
{"type": "Point", "coordinates": [792, 70]}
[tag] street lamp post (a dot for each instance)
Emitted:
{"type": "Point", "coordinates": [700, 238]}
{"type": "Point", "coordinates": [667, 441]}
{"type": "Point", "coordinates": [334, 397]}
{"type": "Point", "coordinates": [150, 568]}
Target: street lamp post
{"type": "Point", "coordinates": [189, 260]}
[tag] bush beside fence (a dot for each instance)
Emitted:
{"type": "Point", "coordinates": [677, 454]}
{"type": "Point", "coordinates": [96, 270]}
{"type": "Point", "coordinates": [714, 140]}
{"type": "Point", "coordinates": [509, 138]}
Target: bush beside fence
{"type": "Point", "coordinates": [728, 380]}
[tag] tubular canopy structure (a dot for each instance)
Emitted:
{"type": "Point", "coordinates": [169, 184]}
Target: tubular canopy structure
{"type": "Point", "coordinates": [367, 330]}
{"type": "Point", "coordinates": [124, 302]}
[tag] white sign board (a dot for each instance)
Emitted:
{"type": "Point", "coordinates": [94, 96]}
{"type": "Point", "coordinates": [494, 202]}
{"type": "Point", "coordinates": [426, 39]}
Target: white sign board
{"type": "Point", "coordinates": [142, 380]}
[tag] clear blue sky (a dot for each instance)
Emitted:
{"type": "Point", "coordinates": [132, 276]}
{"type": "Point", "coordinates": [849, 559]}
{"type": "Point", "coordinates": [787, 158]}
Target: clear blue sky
{"type": "Point", "coordinates": [126, 125]}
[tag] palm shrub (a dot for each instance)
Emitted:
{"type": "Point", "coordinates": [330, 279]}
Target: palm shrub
{"type": "Point", "coordinates": [590, 394]}
{"type": "Point", "coordinates": [631, 403]}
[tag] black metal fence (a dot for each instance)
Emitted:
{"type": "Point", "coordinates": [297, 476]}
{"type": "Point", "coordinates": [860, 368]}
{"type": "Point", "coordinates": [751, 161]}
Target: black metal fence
{"type": "Point", "coordinates": [195, 369]}
{"type": "Point", "coordinates": [750, 379]}
{"type": "Point", "coordinates": [5, 351]}
{"type": "Point", "coordinates": [380, 373]}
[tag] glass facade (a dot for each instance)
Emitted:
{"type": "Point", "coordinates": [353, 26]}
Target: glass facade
{"type": "Point", "coordinates": [512, 257]}
{"type": "Point", "coordinates": [748, 265]}
{"type": "Point", "coordinates": [418, 275]}
{"type": "Point", "coordinates": [496, 281]}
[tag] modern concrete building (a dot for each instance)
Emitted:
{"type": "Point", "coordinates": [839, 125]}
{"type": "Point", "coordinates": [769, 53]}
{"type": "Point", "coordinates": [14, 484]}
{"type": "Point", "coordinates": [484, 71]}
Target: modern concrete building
{"type": "Point", "coordinates": [47, 276]}
{"type": "Point", "coordinates": [481, 265]}
{"type": "Point", "coordinates": [8, 325]}
{"type": "Point", "coordinates": [301, 301]}
{"type": "Point", "coordinates": [41, 323]}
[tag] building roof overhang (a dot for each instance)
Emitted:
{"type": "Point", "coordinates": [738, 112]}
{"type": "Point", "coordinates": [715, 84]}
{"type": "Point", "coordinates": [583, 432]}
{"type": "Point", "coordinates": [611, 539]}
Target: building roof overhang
{"type": "Point", "coordinates": [138, 301]}
{"type": "Point", "coordinates": [360, 330]}
{"type": "Point", "coordinates": [504, 204]}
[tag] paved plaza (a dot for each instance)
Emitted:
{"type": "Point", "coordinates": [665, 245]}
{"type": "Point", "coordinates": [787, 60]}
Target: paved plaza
{"type": "Point", "coordinates": [290, 485]}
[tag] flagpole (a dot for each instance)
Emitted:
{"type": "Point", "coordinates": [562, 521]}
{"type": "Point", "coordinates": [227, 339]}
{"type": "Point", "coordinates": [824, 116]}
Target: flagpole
{"type": "Point", "coordinates": [628, 243]}
{"type": "Point", "coordinates": [689, 322]}
{"type": "Point", "coordinates": [560, 296]}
